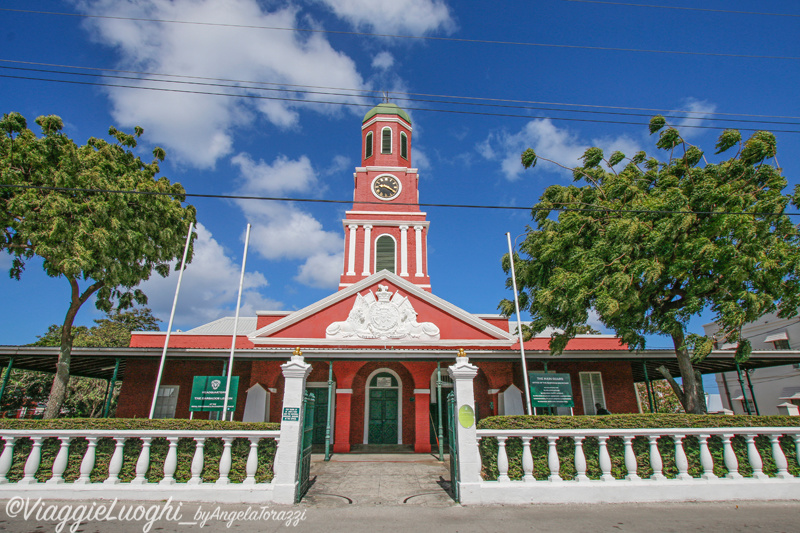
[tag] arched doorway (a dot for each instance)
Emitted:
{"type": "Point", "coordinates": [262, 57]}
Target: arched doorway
{"type": "Point", "coordinates": [383, 422]}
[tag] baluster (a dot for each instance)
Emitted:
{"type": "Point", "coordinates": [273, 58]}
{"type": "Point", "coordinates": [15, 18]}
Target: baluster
{"type": "Point", "coordinates": [143, 463]}
{"type": "Point", "coordinates": [552, 459]}
{"type": "Point", "coordinates": [225, 462]}
{"type": "Point", "coordinates": [527, 460]}
{"type": "Point", "coordinates": [197, 462]}
{"type": "Point", "coordinates": [87, 464]}
{"type": "Point", "coordinates": [115, 465]}
{"type": "Point", "coordinates": [32, 463]}
{"type": "Point", "coordinates": [680, 458]}
{"type": "Point", "coordinates": [252, 462]}
{"type": "Point", "coordinates": [706, 461]}
{"type": "Point", "coordinates": [605, 459]}
{"type": "Point", "coordinates": [728, 455]}
{"type": "Point", "coordinates": [60, 462]}
{"type": "Point", "coordinates": [655, 459]}
{"type": "Point", "coordinates": [502, 459]}
{"type": "Point", "coordinates": [754, 457]}
{"type": "Point", "coordinates": [780, 458]}
{"type": "Point", "coordinates": [630, 459]}
{"type": "Point", "coordinates": [6, 458]}
{"type": "Point", "coordinates": [796, 447]}
{"type": "Point", "coordinates": [580, 460]}
{"type": "Point", "coordinates": [171, 462]}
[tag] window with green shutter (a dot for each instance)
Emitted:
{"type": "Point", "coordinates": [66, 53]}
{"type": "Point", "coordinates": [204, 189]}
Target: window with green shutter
{"type": "Point", "coordinates": [385, 254]}
{"type": "Point", "coordinates": [368, 146]}
{"type": "Point", "coordinates": [386, 141]}
{"type": "Point", "coordinates": [403, 146]}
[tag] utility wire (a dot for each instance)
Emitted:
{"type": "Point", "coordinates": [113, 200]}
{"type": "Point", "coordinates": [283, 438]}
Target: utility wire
{"type": "Point", "coordinates": [421, 204]}
{"type": "Point", "coordinates": [685, 8]}
{"type": "Point", "coordinates": [400, 94]}
{"type": "Point", "coordinates": [369, 105]}
{"type": "Point", "coordinates": [404, 99]}
{"type": "Point", "coordinates": [414, 37]}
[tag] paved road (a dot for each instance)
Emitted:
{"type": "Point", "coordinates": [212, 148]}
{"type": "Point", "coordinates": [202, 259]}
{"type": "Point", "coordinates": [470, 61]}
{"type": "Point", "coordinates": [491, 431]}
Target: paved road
{"type": "Point", "coordinates": [651, 518]}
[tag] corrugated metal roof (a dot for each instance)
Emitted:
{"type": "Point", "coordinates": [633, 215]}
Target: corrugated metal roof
{"type": "Point", "coordinates": [224, 326]}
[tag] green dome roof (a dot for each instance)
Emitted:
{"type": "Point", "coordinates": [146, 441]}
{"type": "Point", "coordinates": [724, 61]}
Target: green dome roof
{"type": "Point", "coordinates": [386, 109]}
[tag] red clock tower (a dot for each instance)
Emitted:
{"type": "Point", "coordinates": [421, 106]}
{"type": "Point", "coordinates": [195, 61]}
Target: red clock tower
{"type": "Point", "coordinates": [386, 230]}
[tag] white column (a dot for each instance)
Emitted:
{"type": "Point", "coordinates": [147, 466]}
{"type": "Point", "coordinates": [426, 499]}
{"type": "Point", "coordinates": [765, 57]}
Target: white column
{"type": "Point", "coordinates": [580, 460]}
{"type": "Point", "coordinates": [728, 455]}
{"type": "Point", "coordinates": [32, 463]}
{"type": "Point", "coordinates": [367, 254]}
{"type": "Point", "coordinates": [780, 458]}
{"type": "Point", "coordinates": [6, 458]}
{"type": "Point", "coordinates": [404, 251]}
{"type": "Point", "coordinates": [87, 464]}
{"type": "Point", "coordinates": [170, 462]}
{"type": "Point", "coordinates": [527, 460]}
{"type": "Point", "coordinates": [502, 459]}
{"type": "Point", "coordinates": [284, 483]}
{"type": "Point", "coordinates": [418, 241]}
{"type": "Point", "coordinates": [706, 461]}
{"type": "Point", "coordinates": [630, 459]}
{"type": "Point", "coordinates": [252, 462]}
{"type": "Point", "coordinates": [655, 459]}
{"type": "Point", "coordinates": [60, 462]}
{"type": "Point", "coordinates": [681, 462]}
{"type": "Point", "coordinates": [225, 462]}
{"type": "Point", "coordinates": [351, 251]}
{"type": "Point", "coordinates": [469, 461]}
{"type": "Point", "coordinates": [115, 465]}
{"type": "Point", "coordinates": [197, 461]}
{"type": "Point", "coordinates": [553, 464]}
{"type": "Point", "coordinates": [604, 459]}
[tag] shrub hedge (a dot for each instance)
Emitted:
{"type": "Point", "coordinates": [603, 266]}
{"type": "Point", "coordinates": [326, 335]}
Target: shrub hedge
{"type": "Point", "coordinates": [566, 446]}
{"type": "Point", "coordinates": [158, 449]}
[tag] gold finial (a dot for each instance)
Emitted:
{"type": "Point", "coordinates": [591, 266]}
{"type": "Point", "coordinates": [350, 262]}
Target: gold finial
{"type": "Point", "coordinates": [461, 353]}
{"type": "Point", "coordinates": [297, 352]}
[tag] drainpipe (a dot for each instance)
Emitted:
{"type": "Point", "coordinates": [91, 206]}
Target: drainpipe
{"type": "Point", "coordinates": [439, 409]}
{"type": "Point", "coordinates": [5, 378]}
{"type": "Point", "coordinates": [111, 388]}
{"type": "Point", "coordinates": [648, 387]}
{"type": "Point", "coordinates": [752, 392]}
{"type": "Point", "coordinates": [330, 412]}
{"type": "Point", "coordinates": [741, 386]}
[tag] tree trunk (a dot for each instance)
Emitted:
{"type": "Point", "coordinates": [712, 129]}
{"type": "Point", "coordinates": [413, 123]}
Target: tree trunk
{"type": "Point", "coordinates": [690, 399]}
{"type": "Point", "coordinates": [58, 391]}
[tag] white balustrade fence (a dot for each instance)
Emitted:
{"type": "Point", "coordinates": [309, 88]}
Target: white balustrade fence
{"type": "Point", "coordinates": [641, 477]}
{"type": "Point", "coordinates": [137, 486]}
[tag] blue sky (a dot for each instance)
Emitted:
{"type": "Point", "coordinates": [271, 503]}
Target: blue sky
{"type": "Point", "coordinates": [589, 66]}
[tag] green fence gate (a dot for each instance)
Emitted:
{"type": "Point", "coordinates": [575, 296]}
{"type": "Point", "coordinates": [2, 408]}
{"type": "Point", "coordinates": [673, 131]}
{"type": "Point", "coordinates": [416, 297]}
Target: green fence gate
{"type": "Point", "coordinates": [453, 443]}
{"type": "Point", "coordinates": [304, 459]}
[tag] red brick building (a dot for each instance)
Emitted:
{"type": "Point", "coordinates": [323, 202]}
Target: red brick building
{"type": "Point", "coordinates": [384, 332]}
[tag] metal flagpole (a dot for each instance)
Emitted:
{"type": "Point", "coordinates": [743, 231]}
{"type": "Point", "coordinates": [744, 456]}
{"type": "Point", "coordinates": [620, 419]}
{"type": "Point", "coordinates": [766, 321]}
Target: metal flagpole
{"type": "Point", "coordinates": [519, 328]}
{"type": "Point", "coordinates": [235, 327]}
{"type": "Point", "coordinates": [171, 318]}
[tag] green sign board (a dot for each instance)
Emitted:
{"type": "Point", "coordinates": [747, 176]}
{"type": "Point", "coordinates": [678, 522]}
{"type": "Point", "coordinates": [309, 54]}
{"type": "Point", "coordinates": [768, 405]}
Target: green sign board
{"type": "Point", "coordinates": [291, 414]}
{"type": "Point", "coordinates": [208, 393]}
{"type": "Point", "coordinates": [550, 390]}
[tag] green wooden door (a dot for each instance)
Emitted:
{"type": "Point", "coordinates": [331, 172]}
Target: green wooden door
{"type": "Point", "coordinates": [320, 413]}
{"type": "Point", "coordinates": [383, 423]}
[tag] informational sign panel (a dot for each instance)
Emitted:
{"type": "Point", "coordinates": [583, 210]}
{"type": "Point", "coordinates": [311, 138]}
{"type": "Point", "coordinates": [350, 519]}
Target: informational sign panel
{"type": "Point", "coordinates": [291, 414]}
{"type": "Point", "coordinates": [208, 393]}
{"type": "Point", "coordinates": [550, 390]}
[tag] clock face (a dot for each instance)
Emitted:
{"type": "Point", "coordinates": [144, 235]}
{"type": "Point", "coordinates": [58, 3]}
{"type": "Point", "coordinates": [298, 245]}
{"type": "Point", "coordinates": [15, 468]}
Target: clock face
{"type": "Point", "coordinates": [386, 187]}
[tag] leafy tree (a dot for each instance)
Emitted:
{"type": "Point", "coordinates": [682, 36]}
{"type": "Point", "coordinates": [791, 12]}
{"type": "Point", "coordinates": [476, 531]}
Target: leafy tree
{"type": "Point", "coordinates": [655, 243]}
{"type": "Point", "coordinates": [663, 397]}
{"type": "Point", "coordinates": [104, 244]}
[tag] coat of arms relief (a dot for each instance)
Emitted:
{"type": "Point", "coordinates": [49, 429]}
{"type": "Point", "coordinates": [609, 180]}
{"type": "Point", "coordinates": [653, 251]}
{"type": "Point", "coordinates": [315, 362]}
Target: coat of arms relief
{"type": "Point", "coordinates": [383, 315]}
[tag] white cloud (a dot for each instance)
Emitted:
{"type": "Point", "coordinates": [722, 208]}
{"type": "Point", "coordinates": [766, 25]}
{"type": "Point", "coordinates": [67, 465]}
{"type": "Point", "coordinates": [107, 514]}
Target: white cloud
{"type": "Point", "coordinates": [383, 61]}
{"type": "Point", "coordinates": [199, 129]}
{"type": "Point", "coordinates": [283, 231]}
{"type": "Point", "coordinates": [209, 288]}
{"type": "Point", "coordinates": [697, 111]}
{"type": "Point", "coordinates": [548, 141]}
{"type": "Point", "coordinates": [416, 17]}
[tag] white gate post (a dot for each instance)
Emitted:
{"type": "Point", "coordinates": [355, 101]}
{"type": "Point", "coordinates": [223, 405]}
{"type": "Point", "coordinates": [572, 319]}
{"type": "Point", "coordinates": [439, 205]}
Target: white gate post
{"type": "Point", "coordinates": [469, 460]}
{"type": "Point", "coordinates": [284, 482]}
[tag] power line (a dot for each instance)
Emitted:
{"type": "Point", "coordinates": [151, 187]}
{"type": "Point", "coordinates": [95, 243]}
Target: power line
{"type": "Point", "coordinates": [421, 204]}
{"type": "Point", "coordinates": [414, 37]}
{"type": "Point", "coordinates": [401, 94]}
{"type": "Point", "coordinates": [685, 8]}
{"type": "Point", "coordinates": [369, 105]}
{"type": "Point", "coordinates": [280, 88]}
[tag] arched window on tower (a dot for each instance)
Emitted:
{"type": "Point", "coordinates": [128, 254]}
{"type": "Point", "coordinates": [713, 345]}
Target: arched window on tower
{"type": "Point", "coordinates": [403, 146]}
{"type": "Point", "coordinates": [368, 146]}
{"type": "Point", "coordinates": [386, 141]}
{"type": "Point", "coordinates": [385, 254]}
